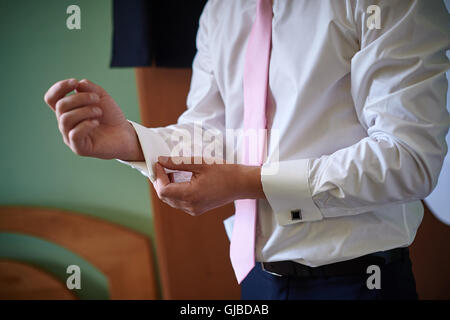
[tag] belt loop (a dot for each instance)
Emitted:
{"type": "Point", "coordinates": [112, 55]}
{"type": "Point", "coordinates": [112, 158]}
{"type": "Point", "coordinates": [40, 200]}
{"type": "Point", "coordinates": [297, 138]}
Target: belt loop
{"type": "Point", "coordinates": [272, 273]}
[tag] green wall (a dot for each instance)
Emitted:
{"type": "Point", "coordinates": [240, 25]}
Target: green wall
{"type": "Point", "coordinates": [36, 168]}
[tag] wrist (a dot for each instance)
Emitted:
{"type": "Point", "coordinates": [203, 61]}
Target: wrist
{"type": "Point", "coordinates": [249, 182]}
{"type": "Point", "coordinates": [133, 150]}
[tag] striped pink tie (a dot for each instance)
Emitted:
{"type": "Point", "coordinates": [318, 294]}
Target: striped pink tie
{"type": "Point", "coordinates": [256, 75]}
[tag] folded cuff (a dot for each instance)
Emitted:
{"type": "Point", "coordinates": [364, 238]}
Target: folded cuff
{"type": "Point", "coordinates": [153, 146]}
{"type": "Point", "coordinates": [287, 189]}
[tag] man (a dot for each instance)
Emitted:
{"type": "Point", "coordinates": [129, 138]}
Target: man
{"type": "Point", "coordinates": [352, 94]}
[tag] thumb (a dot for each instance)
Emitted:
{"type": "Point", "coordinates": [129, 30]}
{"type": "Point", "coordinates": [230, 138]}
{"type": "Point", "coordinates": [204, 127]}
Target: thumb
{"type": "Point", "coordinates": [88, 86]}
{"type": "Point", "coordinates": [162, 179]}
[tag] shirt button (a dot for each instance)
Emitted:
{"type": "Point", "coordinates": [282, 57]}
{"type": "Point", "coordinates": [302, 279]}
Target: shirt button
{"type": "Point", "coordinates": [296, 214]}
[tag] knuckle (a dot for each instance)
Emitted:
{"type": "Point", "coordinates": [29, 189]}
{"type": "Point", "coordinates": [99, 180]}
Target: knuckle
{"type": "Point", "coordinates": [64, 121]}
{"type": "Point", "coordinates": [61, 128]}
{"type": "Point", "coordinates": [87, 112]}
{"type": "Point", "coordinates": [73, 136]}
{"type": "Point", "coordinates": [60, 106]}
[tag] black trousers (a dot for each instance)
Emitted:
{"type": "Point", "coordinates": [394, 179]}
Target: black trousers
{"type": "Point", "coordinates": [397, 282]}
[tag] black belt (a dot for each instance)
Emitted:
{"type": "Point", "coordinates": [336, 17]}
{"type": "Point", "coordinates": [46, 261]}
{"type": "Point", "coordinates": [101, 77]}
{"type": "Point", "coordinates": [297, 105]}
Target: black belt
{"type": "Point", "coordinates": [357, 266]}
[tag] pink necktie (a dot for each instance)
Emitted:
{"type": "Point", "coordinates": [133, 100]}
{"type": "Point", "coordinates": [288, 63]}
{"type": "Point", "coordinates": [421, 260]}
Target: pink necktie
{"type": "Point", "coordinates": [256, 75]}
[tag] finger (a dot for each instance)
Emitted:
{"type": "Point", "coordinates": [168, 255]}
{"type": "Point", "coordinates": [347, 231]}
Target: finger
{"type": "Point", "coordinates": [162, 182]}
{"type": "Point", "coordinates": [78, 135]}
{"type": "Point", "coordinates": [192, 164]}
{"type": "Point", "coordinates": [162, 179]}
{"type": "Point", "coordinates": [74, 101]}
{"type": "Point", "coordinates": [88, 86]}
{"type": "Point", "coordinates": [68, 120]}
{"type": "Point", "coordinates": [180, 205]}
{"type": "Point", "coordinates": [175, 191]}
{"type": "Point", "coordinates": [58, 91]}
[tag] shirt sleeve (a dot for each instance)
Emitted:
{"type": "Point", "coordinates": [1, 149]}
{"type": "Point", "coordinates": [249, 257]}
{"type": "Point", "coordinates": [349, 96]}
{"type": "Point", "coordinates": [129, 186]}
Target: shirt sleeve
{"type": "Point", "coordinates": [399, 88]}
{"type": "Point", "coordinates": [205, 113]}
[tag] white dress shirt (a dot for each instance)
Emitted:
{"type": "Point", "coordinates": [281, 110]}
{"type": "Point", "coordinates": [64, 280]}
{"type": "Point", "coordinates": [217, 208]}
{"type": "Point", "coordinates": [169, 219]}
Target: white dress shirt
{"type": "Point", "coordinates": [359, 116]}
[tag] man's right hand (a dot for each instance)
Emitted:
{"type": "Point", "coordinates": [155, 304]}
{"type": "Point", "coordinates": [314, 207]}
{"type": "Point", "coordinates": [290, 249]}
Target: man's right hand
{"type": "Point", "coordinates": [91, 123]}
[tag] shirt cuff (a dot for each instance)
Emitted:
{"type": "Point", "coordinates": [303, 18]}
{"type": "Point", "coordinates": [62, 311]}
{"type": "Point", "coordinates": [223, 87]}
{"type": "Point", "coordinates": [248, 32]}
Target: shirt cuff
{"type": "Point", "coordinates": [141, 166]}
{"type": "Point", "coordinates": [153, 146]}
{"type": "Point", "coordinates": [286, 187]}
{"type": "Point", "coordinates": [229, 224]}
